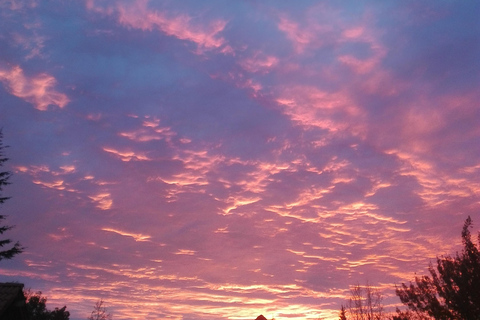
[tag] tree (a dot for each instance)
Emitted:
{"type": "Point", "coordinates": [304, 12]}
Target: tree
{"type": "Point", "coordinates": [343, 315]}
{"type": "Point", "coordinates": [37, 308]}
{"type": "Point", "coordinates": [450, 292]}
{"type": "Point", "coordinates": [408, 315]}
{"type": "Point", "coordinates": [36, 305]}
{"type": "Point", "coordinates": [365, 303]}
{"type": "Point", "coordinates": [60, 314]}
{"type": "Point", "coordinates": [4, 177]}
{"type": "Point", "coordinates": [100, 312]}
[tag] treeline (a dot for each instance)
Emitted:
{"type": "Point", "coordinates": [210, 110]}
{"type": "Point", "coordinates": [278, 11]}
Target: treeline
{"type": "Point", "coordinates": [36, 309]}
{"type": "Point", "coordinates": [451, 291]}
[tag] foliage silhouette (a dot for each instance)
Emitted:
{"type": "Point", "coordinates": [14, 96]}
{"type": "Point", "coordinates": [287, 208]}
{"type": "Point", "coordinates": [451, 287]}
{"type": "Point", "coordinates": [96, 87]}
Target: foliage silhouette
{"type": "Point", "coordinates": [99, 312]}
{"type": "Point", "coordinates": [365, 303]}
{"type": "Point", "coordinates": [60, 314]}
{"type": "Point", "coordinates": [37, 308]}
{"type": "Point", "coordinates": [451, 292]}
{"type": "Point", "coordinates": [4, 177]}
{"type": "Point", "coordinates": [343, 315]}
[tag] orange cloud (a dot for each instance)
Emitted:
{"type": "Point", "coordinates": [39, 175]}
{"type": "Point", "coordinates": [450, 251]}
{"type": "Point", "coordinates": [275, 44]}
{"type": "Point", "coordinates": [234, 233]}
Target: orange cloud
{"type": "Point", "coordinates": [38, 90]}
{"type": "Point", "coordinates": [185, 252]}
{"type": "Point", "coordinates": [46, 177]}
{"type": "Point", "coordinates": [103, 200]}
{"type": "Point", "coordinates": [126, 155]}
{"type": "Point", "coordinates": [53, 185]}
{"type": "Point", "coordinates": [237, 202]}
{"type": "Point", "coordinates": [137, 237]}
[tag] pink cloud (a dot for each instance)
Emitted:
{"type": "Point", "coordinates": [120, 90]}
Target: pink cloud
{"type": "Point", "coordinates": [311, 106]}
{"type": "Point", "coordinates": [151, 130]}
{"type": "Point", "coordinates": [127, 155]}
{"type": "Point", "coordinates": [135, 236]}
{"type": "Point", "coordinates": [300, 37]}
{"type": "Point", "coordinates": [259, 63]}
{"type": "Point", "coordinates": [138, 15]}
{"type": "Point", "coordinates": [319, 26]}
{"type": "Point", "coordinates": [315, 33]}
{"type": "Point", "coordinates": [18, 4]}
{"type": "Point", "coordinates": [262, 191]}
{"type": "Point", "coordinates": [38, 90]}
{"type": "Point", "coordinates": [361, 34]}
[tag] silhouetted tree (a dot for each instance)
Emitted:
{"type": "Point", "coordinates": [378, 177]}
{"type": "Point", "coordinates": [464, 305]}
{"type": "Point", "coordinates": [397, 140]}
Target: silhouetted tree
{"type": "Point", "coordinates": [37, 308]}
{"type": "Point", "coordinates": [408, 315]}
{"type": "Point", "coordinates": [343, 315]}
{"type": "Point", "coordinates": [452, 292]}
{"type": "Point", "coordinates": [4, 177]}
{"type": "Point", "coordinates": [59, 314]}
{"type": "Point", "coordinates": [365, 303]}
{"type": "Point", "coordinates": [100, 312]}
{"type": "Point", "coordinates": [36, 305]}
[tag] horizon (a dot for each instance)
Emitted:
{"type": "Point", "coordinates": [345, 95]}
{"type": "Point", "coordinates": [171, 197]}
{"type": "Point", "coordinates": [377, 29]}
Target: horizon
{"type": "Point", "coordinates": [211, 160]}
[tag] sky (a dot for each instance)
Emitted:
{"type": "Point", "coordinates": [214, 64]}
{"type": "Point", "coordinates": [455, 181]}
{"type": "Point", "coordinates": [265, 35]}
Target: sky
{"type": "Point", "coordinates": [194, 160]}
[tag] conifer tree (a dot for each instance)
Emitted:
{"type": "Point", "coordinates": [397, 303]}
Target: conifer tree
{"type": "Point", "coordinates": [9, 250]}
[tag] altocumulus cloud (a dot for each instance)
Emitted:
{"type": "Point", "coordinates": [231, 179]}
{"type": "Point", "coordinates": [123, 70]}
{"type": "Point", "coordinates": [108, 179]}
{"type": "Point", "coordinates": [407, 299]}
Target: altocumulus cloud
{"type": "Point", "coordinates": [209, 161]}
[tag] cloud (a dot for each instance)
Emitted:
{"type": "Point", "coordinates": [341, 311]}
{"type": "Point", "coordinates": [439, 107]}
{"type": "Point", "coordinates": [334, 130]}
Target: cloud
{"type": "Point", "coordinates": [127, 155]}
{"type": "Point", "coordinates": [46, 177]}
{"type": "Point", "coordinates": [236, 203]}
{"type": "Point", "coordinates": [300, 37]}
{"type": "Point", "coordinates": [38, 90]}
{"type": "Point", "coordinates": [332, 111]}
{"type": "Point", "coordinates": [199, 181]}
{"type": "Point", "coordinates": [18, 4]}
{"type": "Point", "coordinates": [103, 200]}
{"type": "Point", "coordinates": [137, 237]}
{"type": "Point", "coordinates": [33, 43]}
{"type": "Point", "coordinates": [362, 35]}
{"type": "Point", "coordinates": [54, 185]}
{"type": "Point", "coordinates": [151, 130]}
{"type": "Point", "coordinates": [259, 62]}
{"type": "Point", "coordinates": [185, 252]}
{"type": "Point", "coordinates": [137, 15]}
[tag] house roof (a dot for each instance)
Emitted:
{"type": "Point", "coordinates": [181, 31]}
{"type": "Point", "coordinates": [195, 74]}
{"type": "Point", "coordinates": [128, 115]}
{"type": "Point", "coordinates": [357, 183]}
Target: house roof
{"type": "Point", "coordinates": [9, 292]}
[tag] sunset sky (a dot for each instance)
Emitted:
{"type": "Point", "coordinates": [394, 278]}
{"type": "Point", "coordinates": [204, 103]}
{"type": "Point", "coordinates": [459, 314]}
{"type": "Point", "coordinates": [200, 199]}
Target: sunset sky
{"type": "Point", "coordinates": [224, 159]}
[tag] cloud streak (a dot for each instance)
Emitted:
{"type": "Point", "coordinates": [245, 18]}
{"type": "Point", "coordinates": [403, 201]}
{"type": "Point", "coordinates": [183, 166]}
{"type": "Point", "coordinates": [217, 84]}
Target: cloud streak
{"type": "Point", "coordinates": [137, 15]}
